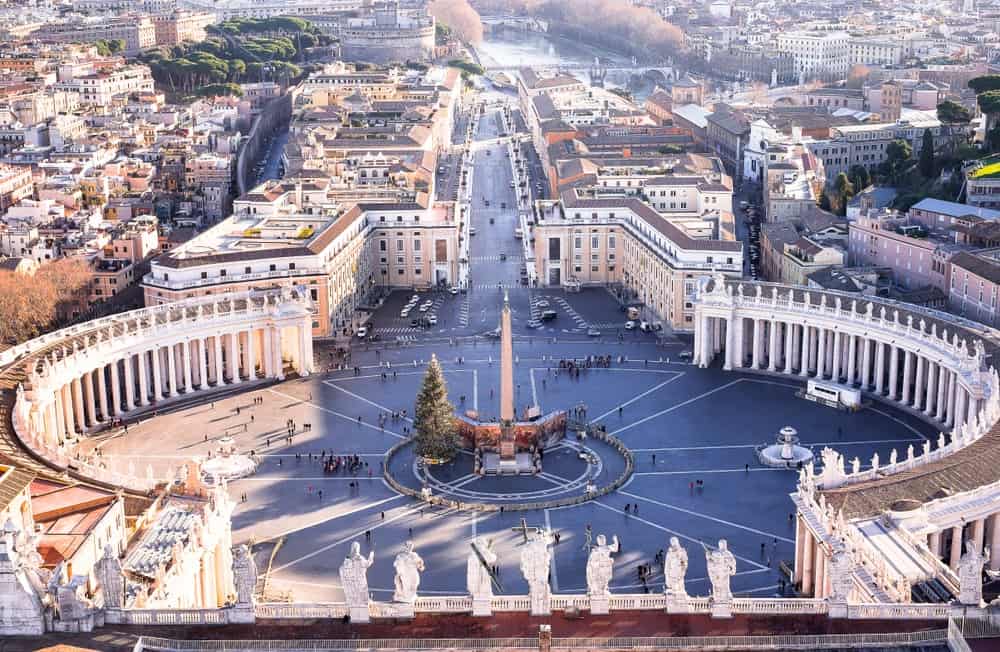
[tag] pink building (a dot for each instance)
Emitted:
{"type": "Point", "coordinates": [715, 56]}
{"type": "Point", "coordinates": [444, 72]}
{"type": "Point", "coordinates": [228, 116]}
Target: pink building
{"type": "Point", "coordinates": [917, 255]}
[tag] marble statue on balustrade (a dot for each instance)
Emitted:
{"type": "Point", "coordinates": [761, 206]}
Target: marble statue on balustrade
{"type": "Point", "coordinates": [721, 568]}
{"type": "Point", "coordinates": [479, 575]}
{"type": "Point", "coordinates": [675, 565]}
{"type": "Point", "coordinates": [21, 610]}
{"type": "Point", "coordinates": [970, 575]}
{"type": "Point", "coordinates": [108, 572]}
{"type": "Point", "coordinates": [354, 581]}
{"type": "Point", "coordinates": [408, 565]}
{"type": "Point", "coordinates": [600, 567]}
{"type": "Point", "coordinates": [841, 571]}
{"type": "Point", "coordinates": [536, 562]}
{"type": "Point", "coordinates": [244, 575]}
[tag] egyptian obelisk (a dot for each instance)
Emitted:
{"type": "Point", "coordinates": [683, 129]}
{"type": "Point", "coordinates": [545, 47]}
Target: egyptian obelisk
{"type": "Point", "coordinates": [508, 449]}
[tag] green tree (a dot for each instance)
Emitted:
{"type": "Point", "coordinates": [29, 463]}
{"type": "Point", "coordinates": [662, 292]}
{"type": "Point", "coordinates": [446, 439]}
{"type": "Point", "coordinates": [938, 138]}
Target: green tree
{"type": "Point", "coordinates": [985, 83]}
{"type": "Point", "coordinates": [845, 190]}
{"type": "Point", "coordinates": [434, 417]}
{"type": "Point", "coordinates": [859, 176]}
{"type": "Point", "coordinates": [824, 201]}
{"type": "Point", "coordinates": [951, 112]}
{"type": "Point", "coordinates": [898, 154]}
{"type": "Point", "coordinates": [927, 155]}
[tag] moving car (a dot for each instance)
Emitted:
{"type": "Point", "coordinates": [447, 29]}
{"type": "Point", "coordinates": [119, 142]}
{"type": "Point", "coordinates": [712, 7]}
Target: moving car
{"type": "Point", "coordinates": [542, 304]}
{"type": "Point", "coordinates": [453, 290]}
{"type": "Point", "coordinates": [549, 315]}
{"type": "Point", "coordinates": [432, 320]}
{"type": "Point", "coordinates": [534, 323]}
{"type": "Point", "coordinates": [593, 332]}
{"type": "Point", "coordinates": [503, 256]}
{"type": "Point", "coordinates": [630, 325]}
{"type": "Point", "coordinates": [363, 332]}
{"type": "Point", "coordinates": [472, 231]}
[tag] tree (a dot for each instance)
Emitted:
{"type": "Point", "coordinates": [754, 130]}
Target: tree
{"type": "Point", "coordinates": [824, 201]}
{"type": "Point", "coordinates": [31, 306]}
{"type": "Point", "coordinates": [985, 83]}
{"type": "Point", "coordinates": [859, 176]}
{"type": "Point", "coordinates": [951, 112]}
{"type": "Point", "coordinates": [927, 155]}
{"type": "Point", "coordinates": [434, 417]}
{"type": "Point", "coordinates": [845, 190]}
{"type": "Point", "coordinates": [898, 153]}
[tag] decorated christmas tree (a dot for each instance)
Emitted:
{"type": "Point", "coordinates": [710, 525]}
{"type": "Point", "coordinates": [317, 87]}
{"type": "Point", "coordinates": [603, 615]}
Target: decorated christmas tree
{"type": "Point", "coordinates": [434, 428]}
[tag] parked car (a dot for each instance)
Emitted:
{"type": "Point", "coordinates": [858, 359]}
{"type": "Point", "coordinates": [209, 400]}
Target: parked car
{"type": "Point", "coordinates": [542, 304]}
{"type": "Point", "coordinates": [453, 290]}
{"type": "Point", "coordinates": [363, 332]}
{"type": "Point", "coordinates": [593, 332]}
{"type": "Point", "coordinates": [630, 325]}
{"type": "Point", "coordinates": [432, 320]}
{"type": "Point", "coordinates": [549, 315]}
{"type": "Point", "coordinates": [534, 323]}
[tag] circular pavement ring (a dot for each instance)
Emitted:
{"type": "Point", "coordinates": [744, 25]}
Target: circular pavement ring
{"type": "Point", "coordinates": [480, 506]}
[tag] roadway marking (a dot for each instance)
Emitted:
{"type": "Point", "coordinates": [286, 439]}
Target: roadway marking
{"type": "Point", "coordinates": [335, 413]}
{"type": "Point", "coordinates": [725, 446]}
{"type": "Point", "coordinates": [675, 533]}
{"type": "Point", "coordinates": [710, 518]}
{"type": "Point", "coordinates": [408, 512]}
{"type": "Point", "coordinates": [675, 407]}
{"type": "Point", "coordinates": [646, 393]}
{"type": "Point", "coordinates": [330, 518]}
{"type": "Point", "coordinates": [331, 383]}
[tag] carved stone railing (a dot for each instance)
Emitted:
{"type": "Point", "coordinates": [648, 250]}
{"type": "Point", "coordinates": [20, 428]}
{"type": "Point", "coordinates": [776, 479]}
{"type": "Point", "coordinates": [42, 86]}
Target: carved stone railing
{"type": "Point", "coordinates": [169, 616]}
{"type": "Point", "coordinates": [295, 610]}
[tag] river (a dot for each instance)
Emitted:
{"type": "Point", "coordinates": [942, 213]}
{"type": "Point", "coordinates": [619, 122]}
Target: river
{"type": "Point", "coordinates": [508, 50]}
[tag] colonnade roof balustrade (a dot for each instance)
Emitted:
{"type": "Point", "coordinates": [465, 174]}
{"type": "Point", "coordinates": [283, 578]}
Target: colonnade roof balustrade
{"type": "Point", "coordinates": [970, 458]}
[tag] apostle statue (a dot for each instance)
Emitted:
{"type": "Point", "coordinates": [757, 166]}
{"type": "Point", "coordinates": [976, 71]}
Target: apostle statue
{"type": "Point", "coordinates": [600, 566]}
{"type": "Point", "coordinates": [675, 567]}
{"type": "Point", "coordinates": [536, 560]}
{"type": "Point", "coordinates": [721, 567]}
{"type": "Point", "coordinates": [108, 571]}
{"type": "Point", "coordinates": [408, 565]}
{"type": "Point", "coordinates": [479, 569]}
{"type": "Point", "coordinates": [354, 576]}
{"type": "Point", "coordinates": [970, 575]}
{"type": "Point", "coordinates": [244, 575]}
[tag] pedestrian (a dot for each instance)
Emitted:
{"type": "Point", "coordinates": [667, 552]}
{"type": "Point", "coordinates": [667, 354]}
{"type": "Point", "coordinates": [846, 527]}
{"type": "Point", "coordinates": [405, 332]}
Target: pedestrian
{"type": "Point", "coordinates": [635, 508]}
{"type": "Point", "coordinates": [321, 494]}
{"type": "Point", "coordinates": [251, 418]}
{"type": "Point", "coordinates": [654, 459]}
{"type": "Point", "coordinates": [627, 508]}
{"type": "Point", "coordinates": [746, 467]}
{"type": "Point", "coordinates": [383, 516]}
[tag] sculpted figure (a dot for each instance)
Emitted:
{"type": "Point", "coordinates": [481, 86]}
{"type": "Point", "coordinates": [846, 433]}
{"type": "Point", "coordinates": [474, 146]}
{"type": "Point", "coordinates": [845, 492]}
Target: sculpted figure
{"type": "Point", "coordinates": [478, 569]}
{"type": "Point", "coordinates": [244, 575]}
{"type": "Point", "coordinates": [536, 560]}
{"type": "Point", "coordinates": [970, 575]}
{"type": "Point", "coordinates": [721, 567]}
{"type": "Point", "coordinates": [408, 565]}
{"type": "Point", "coordinates": [354, 575]}
{"type": "Point", "coordinates": [675, 567]}
{"type": "Point", "coordinates": [600, 566]}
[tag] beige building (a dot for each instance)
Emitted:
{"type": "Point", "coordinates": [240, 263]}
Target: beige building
{"type": "Point", "coordinates": [291, 233]}
{"type": "Point", "coordinates": [580, 240]}
{"type": "Point", "coordinates": [179, 26]}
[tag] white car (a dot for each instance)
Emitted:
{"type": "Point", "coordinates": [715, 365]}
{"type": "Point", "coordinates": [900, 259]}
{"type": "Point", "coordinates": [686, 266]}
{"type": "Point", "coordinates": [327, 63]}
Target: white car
{"type": "Point", "coordinates": [453, 290]}
{"type": "Point", "coordinates": [629, 325]}
{"type": "Point", "coordinates": [363, 332]}
{"type": "Point", "coordinates": [432, 320]}
{"type": "Point", "coordinates": [405, 312]}
{"type": "Point", "coordinates": [424, 308]}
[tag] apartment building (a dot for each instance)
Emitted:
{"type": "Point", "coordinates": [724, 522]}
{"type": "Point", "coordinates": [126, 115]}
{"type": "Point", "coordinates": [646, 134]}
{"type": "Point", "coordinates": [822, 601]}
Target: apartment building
{"type": "Point", "coordinates": [918, 256]}
{"type": "Point", "coordinates": [820, 55]}
{"type": "Point", "coordinates": [100, 88]}
{"type": "Point", "coordinates": [179, 26]}
{"type": "Point", "coordinates": [975, 285]}
{"type": "Point", "coordinates": [138, 32]}
{"type": "Point", "coordinates": [15, 184]}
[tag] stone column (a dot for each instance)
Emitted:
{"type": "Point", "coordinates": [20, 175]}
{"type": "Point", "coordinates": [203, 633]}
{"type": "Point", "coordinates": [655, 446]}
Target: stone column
{"type": "Point", "coordinates": [835, 369]}
{"type": "Point", "coordinates": [705, 343]}
{"type": "Point", "coordinates": [60, 414]}
{"type": "Point", "coordinates": [961, 406]}
{"type": "Point", "coordinates": [907, 376]}
{"type": "Point", "coordinates": [995, 541]}
{"type": "Point", "coordinates": [698, 337]}
{"type": "Point", "coordinates": [956, 547]}
{"type": "Point", "coordinates": [305, 349]}
{"type": "Point", "coordinates": [186, 354]}
{"type": "Point", "coordinates": [81, 420]}
{"type": "Point", "coordinates": [88, 398]}
{"type": "Point", "coordinates": [143, 378]}
{"type": "Point", "coordinates": [808, 549]}
{"type": "Point", "coordinates": [789, 346]}
{"type": "Point", "coordinates": [942, 392]}
{"type": "Point", "coordinates": [67, 402]}
{"type": "Point", "coordinates": [251, 355]}
{"type": "Point", "coordinates": [234, 357]}
{"type": "Point", "coordinates": [758, 342]}
{"type": "Point", "coordinates": [879, 368]}
{"type": "Point", "coordinates": [172, 369]}
{"type": "Point", "coordinates": [819, 583]}
{"type": "Point", "coordinates": [852, 358]}
{"type": "Point", "coordinates": [894, 372]}
{"type": "Point", "coordinates": [933, 378]}
{"type": "Point", "coordinates": [865, 376]}
{"type": "Point", "coordinates": [157, 374]}
{"type": "Point", "coordinates": [772, 352]}
{"type": "Point", "coordinates": [102, 393]}
{"type": "Point", "coordinates": [740, 336]}
{"type": "Point", "coordinates": [934, 544]}
{"type": "Point", "coordinates": [919, 382]}
{"type": "Point", "coordinates": [973, 408]}
{"type": "Point", "coordinates": [279, 364]}
{"type": "Point", "coordinates": [952, 397]}
{"type": "Point", "coordinates": [821, 355]}
{"type": "Point", "coordinates": [267, 358]}
{"type": "Point", "coordinates": [203, 363]}
{"type": "Point", "coordinates": [220, 376]}
{"type": "Point", "coordinates": [129, 383]}
{"type": "Point", "coordinates": [978, 533]}
{"type": "Point", "coordinates": [804, 345]}
{"type": "Point", "coordinates": [53, 433]}
{"type": "Point", "coordinates": [116, 399]}
{"type": "Point", "coordinates": [800, 535]}
{"type": "Point", "coordinates": [730, 344]}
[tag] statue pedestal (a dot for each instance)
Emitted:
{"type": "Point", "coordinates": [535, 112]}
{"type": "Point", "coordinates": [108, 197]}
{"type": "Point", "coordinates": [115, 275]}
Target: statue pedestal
{"type": "Point", "coordinates": [541, 605]}
{"type": "Point", "coordinates": [481, 607]}
{"type": "Point", "coordinates": [722, 609]}
{"type": "Point", "coordinates": [402, 610]}
{"type": "Point", "coordinates": [241, 613]}
{"type": "Point", "coordinates": [677, 604]}
{"type": "Point", "coordinates": [600, 605]}
{"type": "Point", "coordinates": [837, 610]}
{"type": "Point", "coordinates": [359, 614]}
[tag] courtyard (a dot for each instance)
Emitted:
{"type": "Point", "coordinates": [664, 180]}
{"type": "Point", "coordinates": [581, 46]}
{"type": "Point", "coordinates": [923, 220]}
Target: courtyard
{"type": "Point", "coordinates": [693, 433]}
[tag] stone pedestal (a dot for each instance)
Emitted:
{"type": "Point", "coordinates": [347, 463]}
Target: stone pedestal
{"type": "Point", "coordinates": [837, 610]}
{"type": "Point", "coordinates": [677, 604]}
{"type": "Point", "coordinates": [481, 607]}
{"type": "Point", "coordinates": [241, 613]}
{"type": "Point", "coordinates": [722, 609]}
{"type": "Point", "coordinates": [359, 614]}
{"type": "Point", "coordinates": [541, 605]}
{"type": "Point", "coordinates": [402, 609]}
{"type": "Point", "coordinates": [600, 605]}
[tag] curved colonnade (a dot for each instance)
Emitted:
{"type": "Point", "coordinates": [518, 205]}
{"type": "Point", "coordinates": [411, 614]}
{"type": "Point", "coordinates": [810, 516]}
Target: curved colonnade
{"type": "Point", "coordinates": [928, 363]}
{"type": "Point", "coordinates": [86, 378]}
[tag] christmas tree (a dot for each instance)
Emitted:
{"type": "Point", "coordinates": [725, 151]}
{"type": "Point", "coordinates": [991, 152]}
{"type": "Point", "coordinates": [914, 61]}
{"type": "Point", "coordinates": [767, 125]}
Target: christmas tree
{"type": "Point", "coordinates": [434, 422]}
